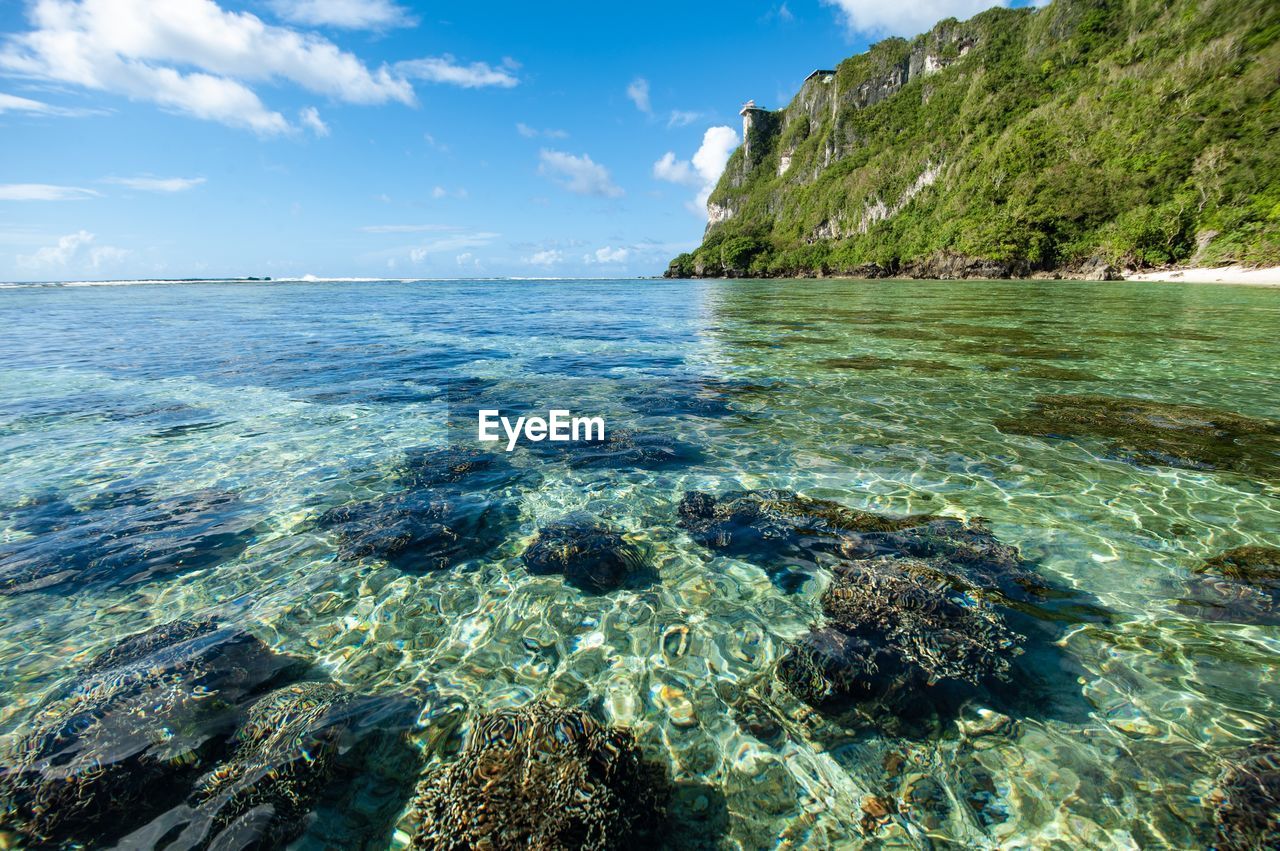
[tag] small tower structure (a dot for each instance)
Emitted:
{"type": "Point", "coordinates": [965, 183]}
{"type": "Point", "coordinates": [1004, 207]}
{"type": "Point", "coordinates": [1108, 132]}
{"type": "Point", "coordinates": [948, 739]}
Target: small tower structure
{"type": "Point", "coordinates": [750, 112]}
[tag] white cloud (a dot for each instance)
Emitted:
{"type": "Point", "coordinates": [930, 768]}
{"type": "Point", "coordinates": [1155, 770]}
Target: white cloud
{"type": "Point", "coordinates": [607, 254]}
{"type": "Point", "coordinates": [676, 171]}
{"type": "Point", "coordinates": [13, 103]}
{"type": "Point", "coordinates": [705, 167]}
{"type": "Point", "coordinates": [43, 192]}
{"type": "Point", "coordinates": [893, 17]}
{"type": "Point", "coordinates": [310, 118]}
{"type": "Point", "coordinates": [439, 192]}
{"type": "Point", "coordinates": [407, 228]}
{"type": "Point", "coordinates": [136, 47]}
{"type": "Point", "coordinates": [347, 14]}
{"type": "Point", "coordinates": [156, 184]}
{"type": "Point", "coordinates": [638, 91]}
{"type": "Point", "coordinates": [74, 251]}
{"type": "Point", "coordinates": [533, 132]}
{"type": "Point", "coordinates": [577, 174]}
{"type": "Point", "coordinates": [453, 242]}
{"type": "Point", "coordinates": [547, 257]}
{"type": "Point", "coordinates": [446, 69]}
{"type": "Point", "coordinates": [682, 118]}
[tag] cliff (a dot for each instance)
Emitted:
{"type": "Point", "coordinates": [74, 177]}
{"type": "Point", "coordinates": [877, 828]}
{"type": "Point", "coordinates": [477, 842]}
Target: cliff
{"type": "Point", "coordinates": [1072, 140]}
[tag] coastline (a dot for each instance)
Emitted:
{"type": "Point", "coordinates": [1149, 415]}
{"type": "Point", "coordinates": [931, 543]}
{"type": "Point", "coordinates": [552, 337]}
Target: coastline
{"type": "Point", "coordinates": [1268, 276]}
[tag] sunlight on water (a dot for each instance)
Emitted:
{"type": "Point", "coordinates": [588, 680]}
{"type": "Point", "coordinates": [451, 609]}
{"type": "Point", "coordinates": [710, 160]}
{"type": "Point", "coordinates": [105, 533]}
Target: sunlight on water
{"type": "Point", "coordinates": [203, 430]}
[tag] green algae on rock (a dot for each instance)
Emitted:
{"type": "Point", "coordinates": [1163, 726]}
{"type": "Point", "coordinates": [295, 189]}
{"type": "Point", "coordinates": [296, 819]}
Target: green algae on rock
{"type": "Point", "coordinates": [750, 520]}
{"type": "Point", "coordinates": [1245, 564]}
{"type": "Point", "coordinates": [1158, 433]}
{"type": "Point", "coordinates": [1239, 586]}
{"type": "Point", "coordinates": [542, 777]}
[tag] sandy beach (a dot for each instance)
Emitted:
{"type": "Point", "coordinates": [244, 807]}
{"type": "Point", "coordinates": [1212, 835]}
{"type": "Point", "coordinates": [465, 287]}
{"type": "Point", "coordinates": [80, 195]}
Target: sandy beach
{"type": "Point", "coordinates": [1264, 277]}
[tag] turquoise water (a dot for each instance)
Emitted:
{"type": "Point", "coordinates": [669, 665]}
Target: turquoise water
{"type": "Point", "coordinates": [263, 405]}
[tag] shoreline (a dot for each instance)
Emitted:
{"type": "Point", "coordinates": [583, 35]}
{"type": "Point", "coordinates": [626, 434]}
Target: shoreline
{"type": "Point", "coordinates": [1261, 277]}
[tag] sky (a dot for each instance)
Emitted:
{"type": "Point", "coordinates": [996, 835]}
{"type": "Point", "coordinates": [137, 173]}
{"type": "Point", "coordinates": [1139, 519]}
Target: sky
{"type": "Point", "coordinates": [389, 138]}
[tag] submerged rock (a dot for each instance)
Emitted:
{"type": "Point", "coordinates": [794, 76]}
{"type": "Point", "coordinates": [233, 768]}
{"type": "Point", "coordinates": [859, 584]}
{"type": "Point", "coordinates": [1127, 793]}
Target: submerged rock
{"type": "Point", "coordinates": [768, 522]}
{"type": "Point", "coordinates": [134, 730]}
{"type": "Point", "coordinates": [590, 555]}
{"type": "Point", "coordinates": [1246, 802]}
{"type": "Point", "coordinates": [289, 750]}
{"type": "Point", "coordinates": [772, 525]}
{"type": "Point", "coordinates": [830, 666]}
{"type": "Point", "coordinates": [542, 777]}
{"type": "Point", "coordinates": [120, 539]}
{"type": "Point", "coordinates": [420, 530]}
{"type": "Point", "coordinates": [429, 467]}
{"type": "Point", "coordinates": [1170, 435]}
{"type": "Point", "coordinates": [895, 625]}
{"type": "Point", "coordinates": [918, 613]}
{"type": "Point", "coordinates": [1253, 565]}
{"type": "Point", "coordinates": [625, 449]}
{"type": "Point", "coordinates": [1239, 586]}
{"type": "Point", "coordinates": [965, 549]}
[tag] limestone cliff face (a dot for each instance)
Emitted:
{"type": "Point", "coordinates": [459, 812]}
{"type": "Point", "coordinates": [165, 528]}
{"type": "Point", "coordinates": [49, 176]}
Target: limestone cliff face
{"type": "Point", "coordinates": [1023, 141]}
{"type": "Point", "coordinates": [770, 136]}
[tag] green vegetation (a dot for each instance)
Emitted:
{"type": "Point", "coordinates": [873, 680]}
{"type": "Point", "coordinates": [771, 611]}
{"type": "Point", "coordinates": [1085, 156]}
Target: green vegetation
{"type": "Point", "coordinates": [1087, 134]}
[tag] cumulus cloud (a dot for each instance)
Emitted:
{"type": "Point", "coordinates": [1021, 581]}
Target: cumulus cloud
{"type": "Point", "coordinates": [310, 118]}
{"type": "Point", "coordinates": [547, 257]}
{"type": "Point", "coordinates": [446, 69]}
{"type": "Point", "coordinates": [703, 170]}
{"type": "Point", "coordinates": [195, 57]}
{"type": "Point", "coordinates": [74, 251]}
{"type": "Point", "coordinates": [893, 17]}
{"type": "Point", "coordinates": [156, 184]}
{"type": "Point", "coordinates": [608, 254]}
{"type": "Point", "coordinates": [578, 174]}
{"type": "Point", "coordinates": [346, 14]}
{"type": "Point", "coordinates": [43, 192]}
{"type": "Point", "coordinates": [638, 91]}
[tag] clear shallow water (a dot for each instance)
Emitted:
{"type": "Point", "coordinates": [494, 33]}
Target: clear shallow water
{"type": "Point", "coordinates": [298, 397]}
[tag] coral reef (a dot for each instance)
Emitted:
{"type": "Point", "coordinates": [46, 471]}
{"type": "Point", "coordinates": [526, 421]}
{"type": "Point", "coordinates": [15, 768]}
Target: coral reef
{"type": "Point", "coordinates": [119, 539]}
{"type": "Point", "coordinates": [292, 745]}
{"type": "Point", "coordinates": [1246, 801]}
{"type": "Point", "coordinates": [768, 526]}
{"type": "Point", "coordinates": [916, 612]}
{"type": "Point", "coordinates": [133, 731]}
{"type": "Point", "coordinates": [542, 777]}
{"type": "Point", "coordinates": [1163, 434]}
{"type": "Point", "coordinates": [419, 529]}
{"type": "Point", "coordinates": [590, 555]}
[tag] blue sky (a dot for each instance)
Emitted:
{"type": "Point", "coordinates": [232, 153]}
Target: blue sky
{"type": "Point", "coordinates": [194, 138]}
